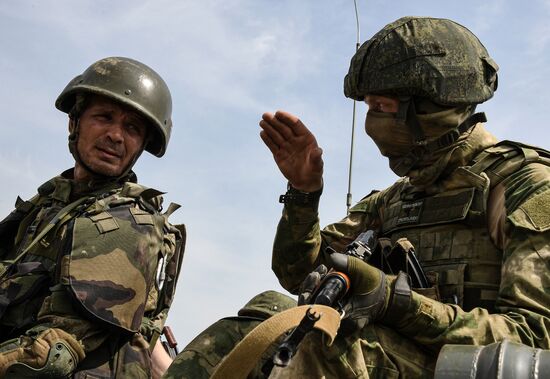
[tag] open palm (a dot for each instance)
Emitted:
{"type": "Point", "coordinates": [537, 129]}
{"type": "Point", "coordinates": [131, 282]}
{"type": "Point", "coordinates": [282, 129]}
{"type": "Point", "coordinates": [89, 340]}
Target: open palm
{"type": "Point", "coordinates": [294, 149]}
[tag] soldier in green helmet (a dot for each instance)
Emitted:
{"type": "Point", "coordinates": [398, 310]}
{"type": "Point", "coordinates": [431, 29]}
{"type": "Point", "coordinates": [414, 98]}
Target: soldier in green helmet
{"type": "Point", "coordinates": [200, 357]}
{"type": "Point", "coordinates": [89, 265]}
{"type": "Point", "coordinates": [475, 211]}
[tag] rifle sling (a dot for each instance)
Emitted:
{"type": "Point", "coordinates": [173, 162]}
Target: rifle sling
{"type": "Point", "coordinates": [242, 359]}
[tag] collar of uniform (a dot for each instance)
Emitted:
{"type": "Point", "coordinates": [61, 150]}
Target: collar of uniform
{"type": "Point", "coordinates": [460, 154]}
{"type": "Point", "coordinates": [64, 188]}
{"type": "Point", "coordinates": [475, 142]}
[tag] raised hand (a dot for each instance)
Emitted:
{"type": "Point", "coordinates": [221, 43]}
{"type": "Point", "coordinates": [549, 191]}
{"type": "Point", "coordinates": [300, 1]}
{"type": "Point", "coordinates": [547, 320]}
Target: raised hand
{"type": "Point", "coordinates": [294, 149]}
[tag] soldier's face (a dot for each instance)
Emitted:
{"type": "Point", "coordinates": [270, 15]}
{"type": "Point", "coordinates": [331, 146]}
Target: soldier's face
{"type": "Point", "coordinates": [110, 137]}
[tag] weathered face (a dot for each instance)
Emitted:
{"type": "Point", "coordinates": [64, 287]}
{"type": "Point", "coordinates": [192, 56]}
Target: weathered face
{"type": "Point", "coordinates": [110, 137]}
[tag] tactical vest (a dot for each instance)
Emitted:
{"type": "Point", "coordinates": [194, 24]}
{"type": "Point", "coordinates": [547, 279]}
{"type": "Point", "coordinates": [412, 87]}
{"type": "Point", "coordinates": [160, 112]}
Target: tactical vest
{"type": "Point", "coordinates": [114, 253]}
{"type": "Point", "coordinates": [449, 230]}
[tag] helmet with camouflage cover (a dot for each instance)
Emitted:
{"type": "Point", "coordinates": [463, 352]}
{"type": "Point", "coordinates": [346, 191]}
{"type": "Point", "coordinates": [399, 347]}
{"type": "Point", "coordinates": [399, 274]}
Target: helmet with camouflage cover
{"type": "Point", "coordinates": [432, 58]}
{"type": "Point", "coordinates": [131, 83]}
{"type": "Point", "coordinates": [266, 304]}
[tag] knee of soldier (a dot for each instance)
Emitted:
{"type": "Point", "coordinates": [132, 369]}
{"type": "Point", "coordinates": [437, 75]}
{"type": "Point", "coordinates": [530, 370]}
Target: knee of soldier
{"type": "Point", "coordinates": [45, 353]}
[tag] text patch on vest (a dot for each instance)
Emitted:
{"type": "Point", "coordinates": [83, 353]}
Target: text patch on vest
{"type": "Point", "coordinates": [448, 207]}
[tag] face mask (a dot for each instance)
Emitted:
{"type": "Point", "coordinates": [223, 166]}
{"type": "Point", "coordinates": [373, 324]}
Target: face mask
{"type": "Point", "coordinates": [394, 139]}
{"type": "Point", "coordinates": [434, 125]}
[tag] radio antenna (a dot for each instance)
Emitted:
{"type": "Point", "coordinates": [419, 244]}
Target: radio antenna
{"type": "Point", "coordinates": [357, 44]}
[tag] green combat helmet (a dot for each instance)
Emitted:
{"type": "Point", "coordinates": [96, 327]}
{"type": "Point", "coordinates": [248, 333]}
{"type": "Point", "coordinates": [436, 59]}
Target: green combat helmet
{"type": "Point", "coordinates": [266, 304]}
{"type": "Point", "coordinates": [433, 58]}
{"type": "Point", "coordinates": [426, 63]}
{"type": "Point", "coordinates": [131, 83]}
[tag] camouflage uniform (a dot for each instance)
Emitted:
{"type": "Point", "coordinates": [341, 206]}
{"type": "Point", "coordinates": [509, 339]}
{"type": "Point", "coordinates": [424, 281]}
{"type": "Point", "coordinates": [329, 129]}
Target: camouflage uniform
{"type": "Point", "coordinates": [88, 269]}
{"type": "Point", "coordinates": [105, 274]}
{"type": "Point", "coordinates": [480, 227]}
{"type": "Point", "coordinates": [199, 359]}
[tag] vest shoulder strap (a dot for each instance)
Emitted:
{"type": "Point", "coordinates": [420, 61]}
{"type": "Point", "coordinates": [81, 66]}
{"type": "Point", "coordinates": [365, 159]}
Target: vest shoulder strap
{"type": "Point", "coordinates": [150, 198]}
{"type": "Point", "coordinates": [506, 157]}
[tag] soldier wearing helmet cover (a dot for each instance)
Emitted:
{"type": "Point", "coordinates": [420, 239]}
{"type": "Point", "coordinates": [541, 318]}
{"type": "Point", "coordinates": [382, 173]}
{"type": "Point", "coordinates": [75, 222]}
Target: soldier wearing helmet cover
{"type": "Point", "coordinates": [89, 264]}
{"type": "Point", "coordinates": [200, 358]}
{"type": "Point", "coordinates": [475, 211]}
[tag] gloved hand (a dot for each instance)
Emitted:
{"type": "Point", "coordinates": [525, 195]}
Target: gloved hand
{"type": "Point", "coordinates": [310, 284]}
{"type": "Point", "coordinates": [373, 296]}
{"type": "Point", "coordinates": [370, 291]}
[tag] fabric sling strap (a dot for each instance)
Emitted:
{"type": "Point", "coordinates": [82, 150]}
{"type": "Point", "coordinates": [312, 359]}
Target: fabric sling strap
{"type": "Point", "coordinates": [242, 359]}
{"type": "Point", "coordinates": [57, 218]}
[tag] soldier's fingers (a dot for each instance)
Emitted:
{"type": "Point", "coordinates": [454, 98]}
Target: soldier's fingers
{"type": "Point", "coordinates": [321, 270]}
{"type": "Point", "coordinates": [304, 298]}
{"type": "Point", "coordinates": [273, 133]}
{"type": "Point", "coordinates": [284, 129]}
{"type": "Point", "coordinates": [293, 122]}
{"type": "Point", "coordinates": [311, 281]}
{"type": "Point", "coordinates": [273, 147]}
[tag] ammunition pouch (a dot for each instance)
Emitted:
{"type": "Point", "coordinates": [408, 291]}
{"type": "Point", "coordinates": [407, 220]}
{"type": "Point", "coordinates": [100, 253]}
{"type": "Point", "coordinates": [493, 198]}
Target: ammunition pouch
{"type": "Point", "coordinates": [399, 257]}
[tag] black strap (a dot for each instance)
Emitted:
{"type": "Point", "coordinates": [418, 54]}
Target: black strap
{"type": "Point", "coordinates": [451, 137]}
{"type": "Point", "coordinates": [294, 196]}
{"type": "Point", "coordinates": [406, 113]}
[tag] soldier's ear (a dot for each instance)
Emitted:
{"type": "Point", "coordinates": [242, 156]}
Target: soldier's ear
{"type": "Point", "coordinates": [72, 124]}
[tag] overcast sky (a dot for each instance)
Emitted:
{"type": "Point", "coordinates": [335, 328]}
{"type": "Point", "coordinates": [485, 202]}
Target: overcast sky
{"type": "Point", "coordinates": [227, 62]}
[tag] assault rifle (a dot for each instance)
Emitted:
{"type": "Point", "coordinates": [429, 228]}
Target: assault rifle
{"type": "Point", "coordinates": [329, 292]}
{"type": "Point", "coordinates": [335, 285]}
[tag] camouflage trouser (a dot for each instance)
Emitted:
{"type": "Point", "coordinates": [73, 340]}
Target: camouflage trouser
{"type": "Point", "coordinates": [40, 352]}
{"type": "Point", "coordinates": [379, 352]}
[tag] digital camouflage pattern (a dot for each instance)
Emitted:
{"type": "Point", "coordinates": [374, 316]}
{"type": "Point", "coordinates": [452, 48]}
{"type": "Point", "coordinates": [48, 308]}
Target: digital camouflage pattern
{"type": "Point", "coordinates": [362, 357]}
{"type": "Point", "coordinates": [105, 273]}
{"type": "Point", "coordinates": [422, 56]}
{"type": "Point", "coordinates": [200, 357]}
{"type": "Point", "coordinates": [482, 232]}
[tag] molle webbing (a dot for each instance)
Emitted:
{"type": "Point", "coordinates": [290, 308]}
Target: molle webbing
{"type": "Point", "coordinates": [450, 229]}
{"type": "Point", "coordinates": [449, 207]}
{"type": "Point", "coordinates": [461, 204]}
{"type": "Point", "coordinates": [100, 211]}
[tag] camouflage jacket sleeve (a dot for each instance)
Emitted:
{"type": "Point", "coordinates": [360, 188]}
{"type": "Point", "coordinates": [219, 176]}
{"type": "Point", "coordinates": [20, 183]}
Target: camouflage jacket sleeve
{"type": "Point", "coordinates": [523, 303]}
{"type": "Point", "coordinates": [300, 243]}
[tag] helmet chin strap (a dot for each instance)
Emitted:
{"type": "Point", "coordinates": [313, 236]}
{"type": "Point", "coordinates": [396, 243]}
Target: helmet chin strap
{"type": "Point", "coordinates": [406, 114]}
{"type": "Point", "coordinates": [73, 148]}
